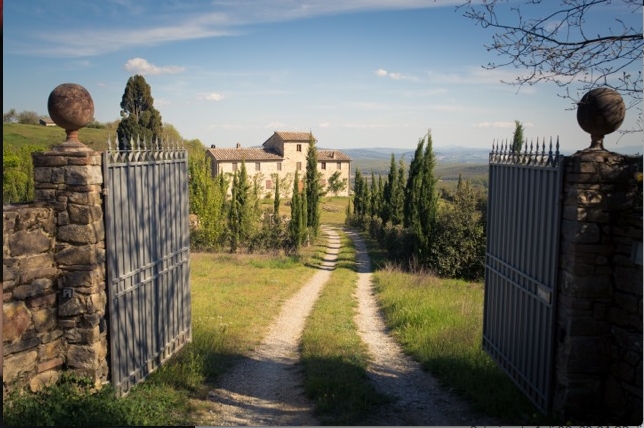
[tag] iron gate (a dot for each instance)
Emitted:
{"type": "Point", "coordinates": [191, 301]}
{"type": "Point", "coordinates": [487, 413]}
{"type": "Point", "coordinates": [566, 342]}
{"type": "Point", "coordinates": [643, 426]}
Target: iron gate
{"type": "Point", "coordinates": [147, 257]}
{"type": "Point", "coordinates": [524, 206]}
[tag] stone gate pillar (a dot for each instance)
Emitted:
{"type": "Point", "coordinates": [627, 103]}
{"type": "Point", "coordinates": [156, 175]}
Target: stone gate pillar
{"type": "Point", "coordinates": [69, 178]}
{"type": "Point", "coordinates": [598, 357]}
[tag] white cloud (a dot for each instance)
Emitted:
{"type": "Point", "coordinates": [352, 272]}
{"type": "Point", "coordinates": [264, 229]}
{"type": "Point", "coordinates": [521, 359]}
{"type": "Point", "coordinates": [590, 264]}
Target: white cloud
{"type": "Point", "coordinates": [324, 125]}
{"type": "Point", "coordinates": [214, 97]}
{"type": "Point", "coordinates": [143, 67]}
{"type": "Point", "coordinates": [381, 72]}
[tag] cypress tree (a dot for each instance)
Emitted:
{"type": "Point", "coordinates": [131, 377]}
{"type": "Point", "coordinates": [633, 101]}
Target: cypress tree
{"type": "Point", "coordinates": [295, 225]}
{"type": "Point", "coordinates": [413, 189]}
{"type": "Point", "coordinates": [389, 191]}
{"type": "Point", "coordinates": [358, 195]}
{"type": "Point", "coordinates": [313, 189]}
{"type": "Point", "coordinates": [276, 200]}
{"type": "Point", "coordinates": [428, 202]}
{"type": "Point", "coordinates": [305, 227]}
{"type": "Point", "coordinates": [139, 117]}
{"type": "Point", "coordinates": [398, 195]}
{"type": "Point", "coordinates": [234, 215]}
{"type": "Point", "coordinates": [517, 138]}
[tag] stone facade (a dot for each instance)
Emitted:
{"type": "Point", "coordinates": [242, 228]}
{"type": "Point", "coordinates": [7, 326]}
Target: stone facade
{"type": "Point", "coordinates": [54, 275]}
{"type": "Point", "coordinates": [598, 361]}
{"type": "Point", "coordinates": [283, 154]}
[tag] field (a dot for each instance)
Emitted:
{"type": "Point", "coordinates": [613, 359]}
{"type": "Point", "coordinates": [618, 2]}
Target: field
{"type": "Point", "coordinates": [18, 135]}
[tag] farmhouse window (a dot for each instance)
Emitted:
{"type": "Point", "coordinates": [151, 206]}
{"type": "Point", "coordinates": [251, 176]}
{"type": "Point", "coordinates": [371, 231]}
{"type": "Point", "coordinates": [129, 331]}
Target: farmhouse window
{"type": "Point", "coordinates": [299, 147]}
{"type": "Point", "coordinates": [258, 166]}
{"type": "Point", "coordinates": [234, 166]}
{"type": "Point", "coordinates": [279, 166]}
{"type": "Point", "coordinates": [339, 165]}
{"type": "Point", "coordinates": [323, 165]}
{"type": "Point", "coordinates": [299, 166]}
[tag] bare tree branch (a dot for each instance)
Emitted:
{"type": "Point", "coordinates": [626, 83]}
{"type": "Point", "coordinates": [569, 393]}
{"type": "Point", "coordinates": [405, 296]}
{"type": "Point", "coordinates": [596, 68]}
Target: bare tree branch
{"type": "Point", "coordinates": [562, 47]}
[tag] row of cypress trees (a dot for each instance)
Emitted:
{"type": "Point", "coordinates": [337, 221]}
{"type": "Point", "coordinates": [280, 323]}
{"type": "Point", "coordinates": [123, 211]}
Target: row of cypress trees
{"type": "Point", "coordinates": [419, 229]}
{"type": "Point", "coordinates": [235, 220]}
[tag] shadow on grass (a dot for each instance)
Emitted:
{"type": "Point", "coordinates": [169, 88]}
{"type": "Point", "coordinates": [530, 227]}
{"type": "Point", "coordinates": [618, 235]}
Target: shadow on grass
{"type": "Point", "coordinates": [488, 390]}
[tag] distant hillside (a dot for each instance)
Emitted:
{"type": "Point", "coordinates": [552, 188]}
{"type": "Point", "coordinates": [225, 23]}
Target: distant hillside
{"type": "Point", "coordinates": [443, 154]}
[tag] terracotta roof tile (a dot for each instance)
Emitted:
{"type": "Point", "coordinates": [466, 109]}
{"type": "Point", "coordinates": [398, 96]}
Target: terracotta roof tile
{"type": "Point", "coordinates": [332, 155]}
{"type": "Point", "coordinates": [246, 154]}
{"type": "Point", "coordinates": [294, 136]}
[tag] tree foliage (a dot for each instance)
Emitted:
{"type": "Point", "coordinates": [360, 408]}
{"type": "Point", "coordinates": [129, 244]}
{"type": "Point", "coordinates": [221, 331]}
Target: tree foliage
{"type": "Point", "coordinates": [458, 240]}
{"type": "Point", "coordinates": [139, 118]}
{"type": "Point", "coordinates": [28, 118]}
{"type": "Point", "coordinates": [584, 43]}
{"type": "Point", "coordinates": [208, 202]}
{"type": "Point", "coordinates": [18, 173]}
{"type": "Point", "coordinates": [359, 194]}
{"type": "Point", "coordinates": [393, 193]}
{"type": "Point", "coordinates": [336, 184]}
{"type": "Point", "coordinates": [313, 189]}
{"type": "Point", "coordinates": [447, 237]}
{"type": "Point", "coordinates": [297, 223]}
{"type": "Point", "coordinates": [517, 138]}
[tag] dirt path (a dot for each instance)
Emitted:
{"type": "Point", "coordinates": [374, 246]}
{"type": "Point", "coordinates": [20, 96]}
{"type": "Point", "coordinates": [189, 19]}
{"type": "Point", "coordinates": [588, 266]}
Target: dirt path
{"type": "Point", "coordinates": [266, 388]}
{"type": "Point", "coordinates": [418, 397]}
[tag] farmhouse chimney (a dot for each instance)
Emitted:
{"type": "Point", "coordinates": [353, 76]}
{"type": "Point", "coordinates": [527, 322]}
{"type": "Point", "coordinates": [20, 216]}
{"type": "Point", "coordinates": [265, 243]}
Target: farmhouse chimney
{"type": "Point", "coordinates": [212, 146]}
{"type": "Point", "coordinates": [238, 145]}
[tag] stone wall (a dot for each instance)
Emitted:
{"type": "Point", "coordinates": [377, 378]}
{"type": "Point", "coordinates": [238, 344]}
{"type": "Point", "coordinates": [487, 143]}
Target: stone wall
{"type": "Point", "coordinates": [54, 274]}
{"type": "Point", "coordinates": [598, 361]}
{"type": "Point", "coordinates": [32, 343]}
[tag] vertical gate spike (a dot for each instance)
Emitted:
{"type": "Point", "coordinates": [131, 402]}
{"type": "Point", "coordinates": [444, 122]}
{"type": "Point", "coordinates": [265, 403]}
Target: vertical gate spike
{"type": "Point", "coordinates": [109, 142]}
{"type": "Point", "coordinates": [557, 146]}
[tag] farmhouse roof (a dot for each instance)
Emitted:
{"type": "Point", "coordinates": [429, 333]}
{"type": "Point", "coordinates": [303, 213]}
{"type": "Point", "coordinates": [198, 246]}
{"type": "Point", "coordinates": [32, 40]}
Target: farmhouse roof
{"type": "Point", "coordinates": [332, 155]}
{"type": "Point", "coordinates": [294, 136]}
{"type": "Point", "coordinates": [247, 154]}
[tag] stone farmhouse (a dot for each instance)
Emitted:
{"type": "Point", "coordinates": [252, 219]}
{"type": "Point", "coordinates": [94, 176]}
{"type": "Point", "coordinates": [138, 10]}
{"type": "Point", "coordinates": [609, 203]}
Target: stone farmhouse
{"type": "Point", "coordinates": [283, 154]}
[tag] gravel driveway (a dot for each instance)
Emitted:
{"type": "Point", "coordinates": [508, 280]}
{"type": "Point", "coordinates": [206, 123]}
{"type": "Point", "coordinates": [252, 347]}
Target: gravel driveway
{"type": "Point", "coordinates": [266, 387]}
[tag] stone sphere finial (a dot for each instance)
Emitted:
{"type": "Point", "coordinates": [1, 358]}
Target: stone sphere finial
{"type": "Point", "coordinates": [600, 112]}
{"type": "Point", "coordinates": [71, 107]}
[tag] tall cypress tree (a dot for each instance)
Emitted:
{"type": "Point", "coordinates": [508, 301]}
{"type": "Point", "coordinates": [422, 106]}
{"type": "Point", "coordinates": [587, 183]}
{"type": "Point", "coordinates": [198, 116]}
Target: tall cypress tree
{"type": "Point", "coordinates": [413, 189]}
{"type": "Point", "coordinates": [428, 203]}
{"type": "Point", "coordinates": [234, 215]}
{"type": "Point", "coordinates": [295, 225]}
{"type": "Point", "coordinates": [517, 137]}
{"type": "Point", "coordinates": [398, 195]}
{"type": "Point", "coordinates": [276, 200]}
{"type": "Point", "coordinates": [389, 191]}
{"type": "Point", "coordinates": [313, 189]}
{"type": "Point", "coordinates": [140, 120]}
{"type": "Point", "coordinates": [305, 227]}
{"type": "Point", "coordinates": [358, 194]}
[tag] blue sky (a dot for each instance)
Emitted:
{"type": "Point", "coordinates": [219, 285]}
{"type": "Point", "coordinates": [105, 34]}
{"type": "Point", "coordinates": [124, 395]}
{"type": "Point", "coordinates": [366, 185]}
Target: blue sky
{"type": "Point", "coordinates": [356, 73]}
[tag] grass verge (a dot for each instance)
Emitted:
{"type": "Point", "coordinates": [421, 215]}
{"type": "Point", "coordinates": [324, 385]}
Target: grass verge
{"type": "Point", "coordinates": [334, 357]}
{"type": "Point", "coordinates": [234, 300]}
{"type": "Point", "coordinates": [439, 322]}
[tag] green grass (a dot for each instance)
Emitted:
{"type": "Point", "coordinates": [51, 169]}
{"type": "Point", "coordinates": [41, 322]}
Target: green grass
{"type": "Point", "coordinates": [439, 323]}
{"type": "Point", "coordinates": [234, 300]}
{"type": "Point", "coordinates": [17, 135]}
{"type": "Point", "coordinates": [334, 357]}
